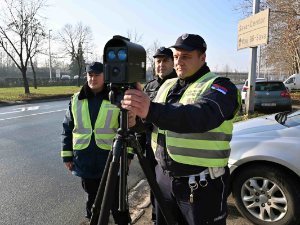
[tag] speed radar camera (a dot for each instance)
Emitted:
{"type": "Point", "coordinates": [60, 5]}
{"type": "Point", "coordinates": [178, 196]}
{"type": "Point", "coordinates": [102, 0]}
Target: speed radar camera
{"type": "Point", "coordinates": [124, 66]}
{"type": "Point", "coordinates": [124, 61]}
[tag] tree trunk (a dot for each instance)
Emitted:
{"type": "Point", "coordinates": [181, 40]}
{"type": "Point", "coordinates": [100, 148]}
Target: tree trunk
{"type": "Point", "coordinates": [34, 75]}
{"type": "Point", "coordinates": [25, 81]}
{"type": "Point", "coordinates": [79, 77]}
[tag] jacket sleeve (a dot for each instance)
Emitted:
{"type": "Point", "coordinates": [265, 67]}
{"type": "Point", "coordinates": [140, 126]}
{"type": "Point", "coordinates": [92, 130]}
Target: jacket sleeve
{"type": "Point", "coordinates": [66, 136]}
{"type": "Point", "coordinates": [208, 112]}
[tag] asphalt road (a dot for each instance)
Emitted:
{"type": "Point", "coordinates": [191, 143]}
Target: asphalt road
{"type": "Point", "coordinates": [35, 186]}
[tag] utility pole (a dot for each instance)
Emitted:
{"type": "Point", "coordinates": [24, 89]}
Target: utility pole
{"type": "Point", "coordinates": [259, 62]}
{"type": "Point", "coordinates": [50, 59]}
{"type": "Point", "coordinates": [252, 71]}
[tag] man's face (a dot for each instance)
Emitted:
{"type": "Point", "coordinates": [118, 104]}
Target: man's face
{"type": "Point", "coordinates": [163, 66]}
{"type": "Point", "coordinates": [187, 63]}
{"type": "Point", "coordinates": [95, 81]}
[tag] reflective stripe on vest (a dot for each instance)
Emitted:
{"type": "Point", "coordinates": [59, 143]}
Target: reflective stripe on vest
{"type": "Point", "coordinates": [209, 149]}
{"type": "Point", "coordinates": [106, 124]}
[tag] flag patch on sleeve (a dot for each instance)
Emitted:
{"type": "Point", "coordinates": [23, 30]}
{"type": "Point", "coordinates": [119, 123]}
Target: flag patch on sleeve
{"type": "Point", "coordinates": [219, 88]}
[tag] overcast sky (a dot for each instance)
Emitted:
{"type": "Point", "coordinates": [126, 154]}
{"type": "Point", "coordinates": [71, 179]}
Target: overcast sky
{"type": "Point", "coordinates": [214, 20]}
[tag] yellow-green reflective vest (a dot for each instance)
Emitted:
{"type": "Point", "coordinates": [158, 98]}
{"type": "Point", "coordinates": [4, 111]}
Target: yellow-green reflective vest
{"type": "Point", "coordinates": [208, 149]}
{"type": "Point", "coordinates": [106, 125]}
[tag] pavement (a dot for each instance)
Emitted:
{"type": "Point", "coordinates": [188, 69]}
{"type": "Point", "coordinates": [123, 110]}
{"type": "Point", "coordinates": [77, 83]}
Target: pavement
{"type": "Point", "coordinates": [140, 207]}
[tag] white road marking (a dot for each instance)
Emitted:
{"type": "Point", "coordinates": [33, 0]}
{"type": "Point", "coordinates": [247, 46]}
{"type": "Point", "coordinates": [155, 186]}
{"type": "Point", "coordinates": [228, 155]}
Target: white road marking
{"type": "Point", "coordinates": [10, 112]}
{"type": "Point", "coordinates": [30, 108]}
{"type": "Point", "coordinates": [22, 110]}
{"type": "Point", "coordinates": [33, 114]}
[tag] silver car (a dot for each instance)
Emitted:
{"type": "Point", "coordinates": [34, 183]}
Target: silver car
{"type": "Point", "coordinates": [265, 169]}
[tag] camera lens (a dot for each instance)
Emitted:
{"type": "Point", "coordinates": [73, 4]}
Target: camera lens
{"type": "Point", "coordinates": [111, 55]}
{"type": "Point", "coordinates": [122, 54]}
{"type": "Point", "coordinates": [115, 71]}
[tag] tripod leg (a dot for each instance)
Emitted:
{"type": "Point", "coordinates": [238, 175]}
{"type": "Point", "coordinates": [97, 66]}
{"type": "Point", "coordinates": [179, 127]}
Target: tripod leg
{"type": "Point", "coordinates": [123, 180]}
{"type": "Point", "coordinates": [111, 182]}
{"type": "Point", "coordinates": [97, 204]}
{"type": "Point", "coordinates": [152, 183]}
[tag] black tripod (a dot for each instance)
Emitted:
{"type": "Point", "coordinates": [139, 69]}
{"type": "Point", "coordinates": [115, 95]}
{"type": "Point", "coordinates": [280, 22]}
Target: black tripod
{"type": "Point", "coordinates": [105, 195]}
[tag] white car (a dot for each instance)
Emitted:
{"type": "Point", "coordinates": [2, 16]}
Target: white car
{"type": "Point", "coordinates": [245, 88]}
{"type": "Point", "coordinates": [265, 169]}
{"type": "Point", "coordinates": [76, 77]}
{"type": "Point", "coordinates": [293, 83]}
{"type": "Point", "coordinates": [65, 77]}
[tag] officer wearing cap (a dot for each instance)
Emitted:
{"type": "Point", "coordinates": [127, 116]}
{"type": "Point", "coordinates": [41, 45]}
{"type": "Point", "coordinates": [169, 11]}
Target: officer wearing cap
{"type": "Point", "coordinates": [164, 70]}
{"type": "Point", "coordinates": [192, 118]}
{"type": "Point", "coordinates": [85, 146]}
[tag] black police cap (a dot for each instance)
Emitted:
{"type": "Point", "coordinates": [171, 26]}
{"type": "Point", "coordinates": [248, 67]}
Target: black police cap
{"type": "Point", "coordinates": [190, 42]}
{"type": "Point", "coordinates": [96, 67]}
{"type": "Point", "coordinates": [162, 51]}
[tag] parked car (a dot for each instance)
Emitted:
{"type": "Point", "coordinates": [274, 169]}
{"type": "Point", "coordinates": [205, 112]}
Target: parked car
{"type": "Point", "coordinates": [76, 77]}
{"type": "Point", "coordinates": [265, 169]}
{"type": "Point", "coordinates": [65, 77]}
{"type": "Point", "coordinates": [271, 95]}
{"type": "Point", "coordinates": [245, 88]}
{"type": "Point", "coordinates": [293, 83]}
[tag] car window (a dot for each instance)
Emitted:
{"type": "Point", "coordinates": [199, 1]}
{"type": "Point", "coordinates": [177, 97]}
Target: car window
{"type": "Point", "coordinates": [269, 86]}
{"type": "Point", "coordinates": [293, 119]}
{"type": "Point", "coordinates": [291, 80]}
{"type": "Point", "coordinates": [246, 84]}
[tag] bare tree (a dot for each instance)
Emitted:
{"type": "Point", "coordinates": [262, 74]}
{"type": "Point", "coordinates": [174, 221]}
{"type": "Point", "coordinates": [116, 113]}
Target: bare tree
{"type": "Point", "coordinates": [150, 53]}
{"type": "Point", "coordinates": [226, 69]}
{"type": "Point", "coordinates": [20, 27]}
{"type": "Point", "coordinates": [134, 36]}
{"type": "Point", "coordinates": [216, 68]}
{"type": "Point", "coordinates": [283, 50]}
{"type": "Point", "coordinates": [72, 38]}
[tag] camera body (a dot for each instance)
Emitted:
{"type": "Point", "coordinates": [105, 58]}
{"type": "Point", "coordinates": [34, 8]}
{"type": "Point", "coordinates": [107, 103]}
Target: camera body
{"type": "Point", "coordinates": [124, 61]}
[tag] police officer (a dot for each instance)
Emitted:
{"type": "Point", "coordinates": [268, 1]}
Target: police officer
{"type": "Point", "coordinates": [192, 118]}
{"type": "Point", "coordinates": [164, 70]}
{"type": "Point", "coordinates": [89, 126]}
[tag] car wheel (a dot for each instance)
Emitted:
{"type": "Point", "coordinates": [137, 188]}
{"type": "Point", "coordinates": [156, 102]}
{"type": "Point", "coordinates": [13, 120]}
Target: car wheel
{"type": "Point", "coordinates": [267, 195]}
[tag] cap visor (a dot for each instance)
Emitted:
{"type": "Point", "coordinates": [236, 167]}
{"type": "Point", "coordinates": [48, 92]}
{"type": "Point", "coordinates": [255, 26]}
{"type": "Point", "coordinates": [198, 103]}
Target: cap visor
{"type": "Point", "coordinates": [161, 55]}
{"type": "Point", "coordinates": [185, 47]}
{"type": "Point", "coordinates": [95, 71]}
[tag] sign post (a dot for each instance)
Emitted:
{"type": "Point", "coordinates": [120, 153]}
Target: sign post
{"type": "Point", "coordinates": [253, 31]}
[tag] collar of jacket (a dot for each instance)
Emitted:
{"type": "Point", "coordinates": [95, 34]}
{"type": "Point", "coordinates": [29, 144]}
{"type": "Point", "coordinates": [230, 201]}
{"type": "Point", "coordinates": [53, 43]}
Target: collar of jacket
{"type": "Point", "coordinates": [170, 76]}
{"type": "Point", "coordinates": [201, 72]}
{"type": "Point", "coordinates": [86, 92]}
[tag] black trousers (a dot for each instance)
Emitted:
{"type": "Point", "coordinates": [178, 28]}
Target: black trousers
{"type": "Point", "coordinates": [209, 204]}
{"type": "Point", "coordinates": [91, 186]}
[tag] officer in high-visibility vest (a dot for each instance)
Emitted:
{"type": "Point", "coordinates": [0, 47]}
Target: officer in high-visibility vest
{"type": "Point", "coordinates": [164, 70]}
{"type": "Point", "coordinates": [192, 118]}
{"type": "Point", "coordinates": [89, 126]}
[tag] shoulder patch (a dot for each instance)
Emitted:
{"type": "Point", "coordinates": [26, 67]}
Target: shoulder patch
{"type": "Point", "coordinates": [219, 88]}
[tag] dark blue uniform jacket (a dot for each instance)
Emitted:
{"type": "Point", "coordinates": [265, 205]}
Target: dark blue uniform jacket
{"type": "Point", "coordinates": [89, 162]}
{"type": "Point", "coordinates": [207, 113]}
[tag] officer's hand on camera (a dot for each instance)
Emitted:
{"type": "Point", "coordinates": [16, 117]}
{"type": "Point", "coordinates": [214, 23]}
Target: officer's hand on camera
{"type": "Point", "coordinates": [136, 101]}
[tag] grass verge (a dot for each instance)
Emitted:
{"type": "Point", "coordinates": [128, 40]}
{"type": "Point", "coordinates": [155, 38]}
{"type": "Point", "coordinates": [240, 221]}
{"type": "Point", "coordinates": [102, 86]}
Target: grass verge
{"type": "Point", "coordinates": [17, 93]}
